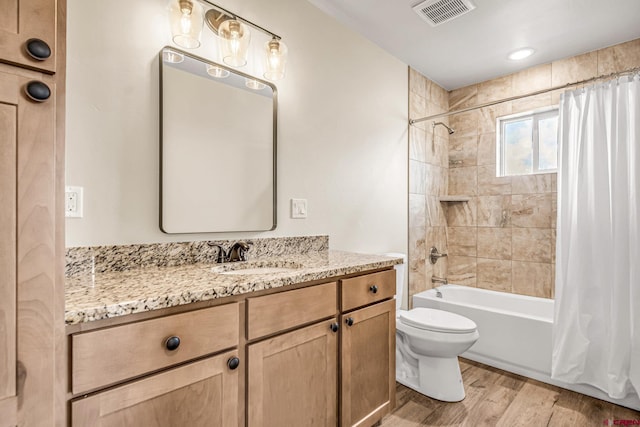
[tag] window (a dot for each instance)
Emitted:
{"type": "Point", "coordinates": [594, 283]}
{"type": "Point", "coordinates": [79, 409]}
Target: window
{"type": "Point", "coordinates": [527, 143]}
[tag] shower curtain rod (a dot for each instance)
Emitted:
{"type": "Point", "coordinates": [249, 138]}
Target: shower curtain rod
{"type": "Point", "coordinates": [538, 92]}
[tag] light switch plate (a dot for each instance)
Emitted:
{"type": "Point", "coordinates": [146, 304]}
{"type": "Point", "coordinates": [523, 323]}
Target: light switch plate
{"type": "Point", "coordinates": [298, 208]}
{"type": "Point", "coordinates": [73, 202]}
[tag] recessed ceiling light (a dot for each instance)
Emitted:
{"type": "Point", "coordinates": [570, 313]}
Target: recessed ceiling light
{"type": "Point", "coordinates": [521, 54]}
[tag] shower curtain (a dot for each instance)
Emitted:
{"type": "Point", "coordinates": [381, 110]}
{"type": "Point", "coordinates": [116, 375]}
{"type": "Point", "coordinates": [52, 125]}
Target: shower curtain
{"type": "Point", "coordinates": [596, 336]}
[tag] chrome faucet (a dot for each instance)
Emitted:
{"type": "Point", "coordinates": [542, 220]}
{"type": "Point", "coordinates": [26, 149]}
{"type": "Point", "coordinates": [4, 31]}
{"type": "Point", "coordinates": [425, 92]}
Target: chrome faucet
{"type": "Point", "coordinates": [435, 279]}
{"type": "Point", "coordinates": [238, 251]}
{"type": "Point", "coordinates": [222, 254]}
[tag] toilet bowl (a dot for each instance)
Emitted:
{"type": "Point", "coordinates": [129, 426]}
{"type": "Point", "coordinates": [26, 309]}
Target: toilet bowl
{"type": "Point", "coordinates": [428, 343]}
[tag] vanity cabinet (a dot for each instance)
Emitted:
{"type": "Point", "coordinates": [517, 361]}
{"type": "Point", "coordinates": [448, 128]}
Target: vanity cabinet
{"type": "Point", "coordinates": [368, 364]}
{"type": "Point", "coordinates": [318, 355]}
{"type": "Point", "coordinates": [292, 376]}
{"type": "Point", "coordinates": [201, 393]}
{"type": "Point", "coordinates": [28, 34]}
{"type": "Point", "coordinates": [367, 381]}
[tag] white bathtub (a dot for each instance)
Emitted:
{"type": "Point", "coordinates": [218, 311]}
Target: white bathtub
{"type": "Point", "coordinates": [515, 333]}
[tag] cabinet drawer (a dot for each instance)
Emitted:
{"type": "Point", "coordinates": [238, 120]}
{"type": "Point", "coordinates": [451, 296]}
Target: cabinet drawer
{"type": "Point", "coordinates": [273, 313]}
{"type": "Point", "coordinates": [363, 290]}
{"type": "Point", "coordinates": [111, 355]}
{"type": "Point", "coordinates": [202, 393]}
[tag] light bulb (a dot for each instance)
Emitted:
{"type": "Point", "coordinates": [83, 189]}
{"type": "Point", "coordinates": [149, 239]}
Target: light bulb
{"type": "Point", "coordinates": [186, 19]}
{"type": "Point", "coordinates": [234, 42]}
{"type": "Point", "coordinates": [276, 59]}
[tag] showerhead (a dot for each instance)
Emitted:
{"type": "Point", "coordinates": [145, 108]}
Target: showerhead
{"type": "Point", "coordinates": [448, 128]}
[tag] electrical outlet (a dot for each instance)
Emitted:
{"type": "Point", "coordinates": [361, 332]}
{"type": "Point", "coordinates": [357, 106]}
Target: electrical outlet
{"type": "Point", "coordinates": [73, 202]}
{"type": "Point", "coordinates": [298, 208]}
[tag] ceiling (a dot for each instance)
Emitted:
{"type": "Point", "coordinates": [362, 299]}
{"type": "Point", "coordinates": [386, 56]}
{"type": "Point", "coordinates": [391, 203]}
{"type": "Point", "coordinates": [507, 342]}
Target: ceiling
{"type": "Point", "coordinates": [474, 47]}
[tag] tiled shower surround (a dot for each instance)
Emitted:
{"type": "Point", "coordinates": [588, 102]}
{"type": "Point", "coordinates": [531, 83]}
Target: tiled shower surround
{"type": "Point", "coordinates": [504, 237]}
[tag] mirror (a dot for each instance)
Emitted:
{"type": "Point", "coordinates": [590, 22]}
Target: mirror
{"type": "Point", "coordinates": [217, 147]}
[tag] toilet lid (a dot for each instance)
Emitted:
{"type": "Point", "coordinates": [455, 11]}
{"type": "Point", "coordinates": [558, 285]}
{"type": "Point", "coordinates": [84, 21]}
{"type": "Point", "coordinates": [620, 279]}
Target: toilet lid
{"type": "Point", "coordinates": [437, 320]}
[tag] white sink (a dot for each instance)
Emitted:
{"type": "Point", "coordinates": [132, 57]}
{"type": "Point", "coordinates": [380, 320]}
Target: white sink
{"type": "Point", "coordinates": [256, 267]}
{"type": "Point", "coordinates": [259, 270]}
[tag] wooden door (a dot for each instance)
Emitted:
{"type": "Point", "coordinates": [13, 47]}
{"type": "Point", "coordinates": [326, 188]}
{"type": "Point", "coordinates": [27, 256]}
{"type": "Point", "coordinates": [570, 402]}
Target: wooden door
{"type": "Point", "coordinates": [292, 378]}
{"type": "Point", "coordinates": [28, 302]}
{"type": "Point", "coordinates": [22, 21]}
{"type": "Point", "coordinates": [368, 364]}
{"type": "Point", "coordinates": [199, 394]}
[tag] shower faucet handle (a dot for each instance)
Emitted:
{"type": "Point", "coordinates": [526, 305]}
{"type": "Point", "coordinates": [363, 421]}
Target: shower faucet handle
{"type": "Point", "coordinates": [434, 255]}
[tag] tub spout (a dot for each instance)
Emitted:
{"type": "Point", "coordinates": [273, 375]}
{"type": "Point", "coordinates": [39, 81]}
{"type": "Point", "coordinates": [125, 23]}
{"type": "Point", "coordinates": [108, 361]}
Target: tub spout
{"type": "Point", "coordinates": [435, 279]}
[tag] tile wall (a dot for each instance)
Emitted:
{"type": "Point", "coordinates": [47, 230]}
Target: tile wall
{"type": "Point", "coordinates": [504, 237]}
{"type": "Point", "coordinates": [428, 176]}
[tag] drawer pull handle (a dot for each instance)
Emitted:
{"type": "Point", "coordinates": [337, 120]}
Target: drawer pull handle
{"type": "Point", "coordinates": [334, 327]}
{"type": "Point", "coordinates": [349, 321]}
{"type": "Point", "coordinates": [37, 91]}
{"type": "Point", "coordinates": [38, 49]}
{"type": "Point", "coordinates": [233, 363]}
{"type": "Point", "coordinates": [374, 289]}
{"type": "Point", "coordinates": [172, 343]}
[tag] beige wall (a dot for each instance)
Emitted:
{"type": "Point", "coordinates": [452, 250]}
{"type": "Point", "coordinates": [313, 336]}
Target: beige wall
{"type": "Point", "coordinates": [504, 237]}
{"type": "Point", "coordinates": [342, 125]}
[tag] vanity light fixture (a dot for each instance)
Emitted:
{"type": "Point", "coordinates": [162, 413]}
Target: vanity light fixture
{"type": "Point", "coordinates": [233, 38]}
{"type": "Point", "coordinates": [276, 59]}
{"type": "Point", "coordinates": [185, 17]}
{"type": "Point", "coordinates": [233, 34]}
{"type": "Point", "coordinates": [521, 54]}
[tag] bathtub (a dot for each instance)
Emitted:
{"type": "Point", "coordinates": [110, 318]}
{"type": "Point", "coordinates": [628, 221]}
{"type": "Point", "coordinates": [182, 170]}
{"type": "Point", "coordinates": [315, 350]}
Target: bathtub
{"type": "Point", "coordinates": [515, 333]}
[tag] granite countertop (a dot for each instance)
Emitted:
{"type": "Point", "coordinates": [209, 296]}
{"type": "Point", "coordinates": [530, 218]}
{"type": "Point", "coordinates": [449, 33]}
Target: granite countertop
{"type": "Point", "coordinates": [90, 297]}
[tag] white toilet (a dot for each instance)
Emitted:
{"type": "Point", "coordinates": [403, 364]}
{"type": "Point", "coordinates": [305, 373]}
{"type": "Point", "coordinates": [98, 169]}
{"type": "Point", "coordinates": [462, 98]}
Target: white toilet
{"type": "Point", "coordinates": [428, 342]}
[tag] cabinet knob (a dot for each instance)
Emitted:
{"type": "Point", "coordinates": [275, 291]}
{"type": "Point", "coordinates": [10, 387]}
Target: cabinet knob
{"type": "Point", "coordinates": [334, 327]}
{"type": "Point", "coordinates": [233, 363]}
{"type": "Point", "coordinates": [349, 321]}
{"type": "Point", "coordinates": [37, 91]}
{"type": "Point", "coordinates": [172, 343]}
{"type": "Point", "coordinates": [374, 289]}
{"type": "Point", "coordinates": [38, 49]}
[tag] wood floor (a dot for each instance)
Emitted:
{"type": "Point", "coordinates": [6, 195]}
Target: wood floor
{"type": "Point", "coordinates": [499, 398]}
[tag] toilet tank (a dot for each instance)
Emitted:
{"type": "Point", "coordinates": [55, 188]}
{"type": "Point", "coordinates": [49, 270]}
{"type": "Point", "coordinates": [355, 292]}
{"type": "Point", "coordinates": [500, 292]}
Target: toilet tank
{"type": "Point", "coordinates": [400, 269]}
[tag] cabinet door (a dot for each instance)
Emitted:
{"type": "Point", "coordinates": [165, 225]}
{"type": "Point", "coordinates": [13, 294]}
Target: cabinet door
{"type": "Point", "coordinates": [27, 253]}
{"type": "Point", "coordinates": [203, 393]}
{"type": "Point", "coordinates": [22, 21]}
{"type": "Point", "coordinates": [368, 364]}
{"type": "Point", "coordinates": [292, 378]}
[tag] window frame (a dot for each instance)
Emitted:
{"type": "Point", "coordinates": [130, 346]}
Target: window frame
{"type": "Point", "coordinates": [536, 115]}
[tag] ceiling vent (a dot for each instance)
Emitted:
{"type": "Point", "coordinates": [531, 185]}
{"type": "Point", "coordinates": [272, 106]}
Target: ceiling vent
{"type": "Point", "coordinates": [437, 12]}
